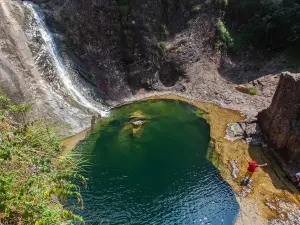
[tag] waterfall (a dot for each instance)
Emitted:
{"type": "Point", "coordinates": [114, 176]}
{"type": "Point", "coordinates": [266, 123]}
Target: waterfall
{"type": "Point", "coordinates": [75, 87]}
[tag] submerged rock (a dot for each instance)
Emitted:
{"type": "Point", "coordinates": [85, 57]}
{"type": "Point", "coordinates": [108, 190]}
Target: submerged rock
{"type": "Point", "coordinates": [138, 123]}
{"type": "Point", "coordinates": [134, 127]}
{"type": "Point", "coordinates": [137, 115]}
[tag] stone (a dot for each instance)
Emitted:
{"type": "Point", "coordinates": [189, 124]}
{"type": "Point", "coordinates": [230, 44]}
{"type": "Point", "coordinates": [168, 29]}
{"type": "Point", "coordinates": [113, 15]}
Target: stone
{"type": "Point", "coordinates": [235, 169]}
{"type": "Point", "coordinates": [252, 129]}
{"type": "Point", "coordinates": [138, 123]}
{"type": "Point", "coordinates": [246, 130]}
{"type": "Point", "coordinates": [234, 132]}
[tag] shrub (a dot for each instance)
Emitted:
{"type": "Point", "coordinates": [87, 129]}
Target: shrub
{"type": "Point", "coordinates": [224, 37]}
{"type": "Point", "coordinates": [162, 46]}
{"type": "Point", "coordinates": [266, 26]}
{"type": "Point", "coordinates": [33, 172]}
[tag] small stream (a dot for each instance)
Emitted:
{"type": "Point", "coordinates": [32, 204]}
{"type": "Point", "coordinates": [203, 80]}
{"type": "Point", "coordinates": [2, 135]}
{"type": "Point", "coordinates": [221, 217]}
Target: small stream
{"type": "Point", "coordinates": [157, 173]}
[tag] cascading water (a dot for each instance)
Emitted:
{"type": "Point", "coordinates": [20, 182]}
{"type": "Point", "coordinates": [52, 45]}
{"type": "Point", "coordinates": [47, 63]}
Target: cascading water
{"type": "Point", "coordinates": [73, 86]}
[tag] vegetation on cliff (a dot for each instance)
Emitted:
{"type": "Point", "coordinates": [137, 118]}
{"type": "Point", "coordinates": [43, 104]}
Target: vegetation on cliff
{"type": "Point", "coordinates": [35, 173]}
{"type": "Point", "coordinates": [264, 26]}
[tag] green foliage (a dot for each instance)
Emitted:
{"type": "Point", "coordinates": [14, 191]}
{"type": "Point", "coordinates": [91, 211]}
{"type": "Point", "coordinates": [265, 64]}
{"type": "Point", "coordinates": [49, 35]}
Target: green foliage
{"type": "Point", "coordinates": [21, 108]}
{"type": "Point", "coordinates": [252, 91]}
{"type": "Point", "coordinates": [267, 25]}
{"type": "Point", "coordinates": [4, 102]}
{"type": "Point", "coordinates": [224, 38]}
{"type": "Point", "coordinates": [162, 46]}
{"type": "Point", "coordinates": [34, 172]}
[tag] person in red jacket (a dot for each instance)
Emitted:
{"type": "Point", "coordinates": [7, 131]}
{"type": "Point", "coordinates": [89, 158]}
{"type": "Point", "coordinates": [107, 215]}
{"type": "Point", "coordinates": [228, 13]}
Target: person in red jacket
{"type": "Point", "coordinates": [251, 169]}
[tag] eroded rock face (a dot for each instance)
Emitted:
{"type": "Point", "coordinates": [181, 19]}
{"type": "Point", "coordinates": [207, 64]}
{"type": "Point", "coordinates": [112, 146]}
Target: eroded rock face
{"type": "Point", "coordinates": [123, 46]}
{"type": "Point", "coordinates": [280, 122]}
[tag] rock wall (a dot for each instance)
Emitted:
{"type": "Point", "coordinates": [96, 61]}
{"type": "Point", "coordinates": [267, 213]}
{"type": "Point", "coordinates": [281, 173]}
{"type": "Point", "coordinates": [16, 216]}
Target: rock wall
{"type": "Point", "coordinates": [128, 45]}
{"type": "Point", "coordinates": [281, 121]}
{"type": "Point", "coordinates": [23, 80]}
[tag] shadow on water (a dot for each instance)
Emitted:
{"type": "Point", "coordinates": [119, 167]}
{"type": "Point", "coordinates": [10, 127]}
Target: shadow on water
{"type": "Point", "coordinates": [155, 172]}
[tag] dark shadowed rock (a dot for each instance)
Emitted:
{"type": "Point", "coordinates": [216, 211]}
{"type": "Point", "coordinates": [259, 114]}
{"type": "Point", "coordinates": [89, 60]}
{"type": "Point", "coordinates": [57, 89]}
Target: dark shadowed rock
{"type": "Point", "coordinates": [280, 122]}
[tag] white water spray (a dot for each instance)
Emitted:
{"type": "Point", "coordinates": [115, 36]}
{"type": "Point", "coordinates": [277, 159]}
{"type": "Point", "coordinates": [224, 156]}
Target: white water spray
{"type": "Point", "coordinates": [62, 72]}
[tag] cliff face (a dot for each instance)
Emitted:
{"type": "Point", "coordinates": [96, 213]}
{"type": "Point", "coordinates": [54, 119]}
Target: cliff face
{"type": "Point", "coordinates": [281, 121]}
{"type": "Point", "coordinates": [127, 45]}
{"type": "Point", "coordinates": [23, 78]}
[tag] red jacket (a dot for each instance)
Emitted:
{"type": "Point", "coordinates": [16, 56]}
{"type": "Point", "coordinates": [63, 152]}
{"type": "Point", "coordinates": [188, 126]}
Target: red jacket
{"type": "Point", "coordinates": [252, 166]}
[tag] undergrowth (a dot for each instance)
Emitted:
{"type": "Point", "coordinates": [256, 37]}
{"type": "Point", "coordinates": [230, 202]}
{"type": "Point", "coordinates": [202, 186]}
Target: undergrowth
{"type": "Point", "coordinates": [224, 37]}
{"type": "Point", "coordinates": [35, 174]}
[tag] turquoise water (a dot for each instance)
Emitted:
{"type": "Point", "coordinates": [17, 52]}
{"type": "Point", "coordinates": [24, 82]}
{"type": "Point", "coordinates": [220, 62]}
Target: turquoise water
{"type": "Point", "coordinates": [159, 175]}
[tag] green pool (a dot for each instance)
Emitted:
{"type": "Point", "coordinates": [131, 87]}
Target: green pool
{"type": "Point", "coordinates": [147, 164]}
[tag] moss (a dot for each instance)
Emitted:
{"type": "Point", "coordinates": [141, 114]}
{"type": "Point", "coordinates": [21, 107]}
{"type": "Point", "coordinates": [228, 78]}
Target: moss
{"type": "Point", "coordinates": [247, 90]}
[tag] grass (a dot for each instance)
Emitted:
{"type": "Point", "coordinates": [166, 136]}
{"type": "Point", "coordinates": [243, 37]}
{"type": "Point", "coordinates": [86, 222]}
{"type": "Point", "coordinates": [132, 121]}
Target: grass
{"type": "Point", "coordinates": [247, 90]}
{"type": "Point", "coordinates": [252, 91]}
{"type": "Point", "coordinates": [35, 174]}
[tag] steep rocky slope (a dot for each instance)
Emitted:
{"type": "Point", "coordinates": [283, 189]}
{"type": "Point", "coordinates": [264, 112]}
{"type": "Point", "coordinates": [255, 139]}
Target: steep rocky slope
{"type": "Point", "coordinates": [26, 74]}
{"type": "Point", "coordinates": [128, 49]}
{"type": "Point", "coordinates": [125, 46]}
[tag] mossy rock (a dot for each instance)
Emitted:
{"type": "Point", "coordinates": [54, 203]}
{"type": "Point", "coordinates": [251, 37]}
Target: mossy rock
{"type": "Point", "coordinates": [134, 127]}
{"type": "Point", "coordinates": [247, 90]}
{"type": "Point", "coordinates": [137, 115]}
{"type": "Point", "coordinates": [200, 112]}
